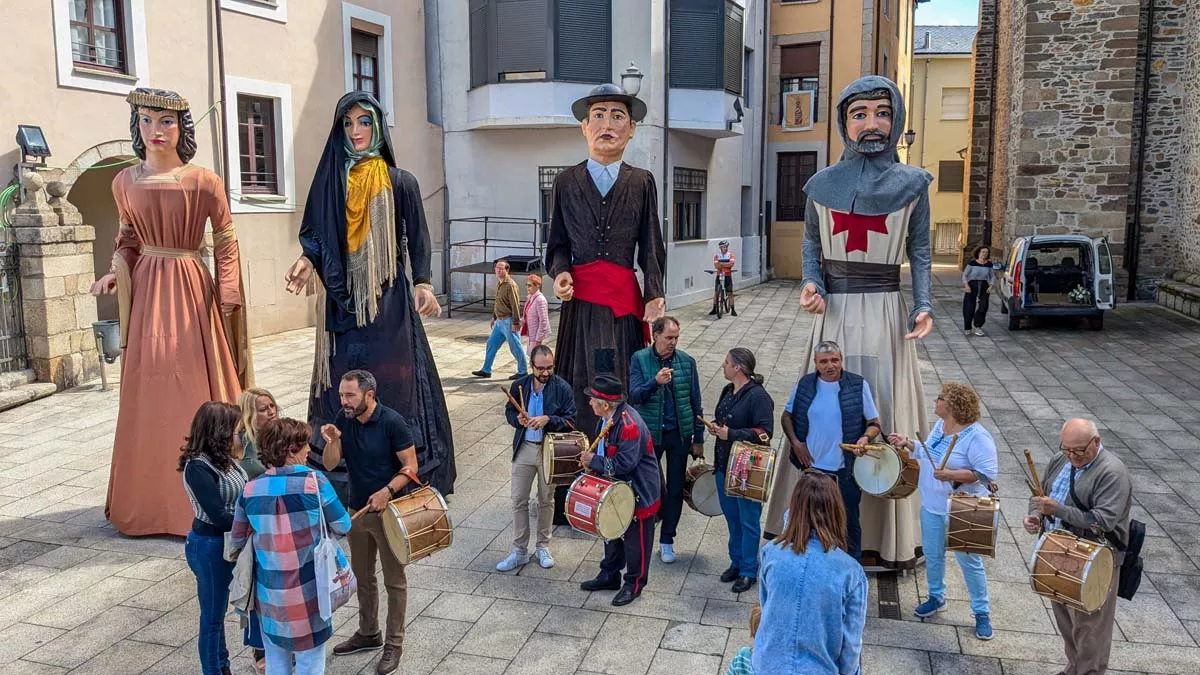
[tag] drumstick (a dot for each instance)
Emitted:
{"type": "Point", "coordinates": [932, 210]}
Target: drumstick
{"type": "Point", "coordinates": [1032, 488]}
{"type": "Point", "coordinates": [357, 514]}
{"type": "Point", "coordinates": [1037, 482]}
{"type": "Point", "coordinates": [521, 396]}
{"type": "Point", "coordinates": [705, 422]}
{"type": "Point", "coordinates": [946, 457]}
{"type": "Point", "coordinates": [515, 402]}
{"type": "Point", "coordinates": [603, 432]}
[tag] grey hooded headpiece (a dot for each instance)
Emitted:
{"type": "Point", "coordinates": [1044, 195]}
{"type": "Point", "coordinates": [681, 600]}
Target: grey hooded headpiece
{"type": "Point", "coordinates": [869, 185]}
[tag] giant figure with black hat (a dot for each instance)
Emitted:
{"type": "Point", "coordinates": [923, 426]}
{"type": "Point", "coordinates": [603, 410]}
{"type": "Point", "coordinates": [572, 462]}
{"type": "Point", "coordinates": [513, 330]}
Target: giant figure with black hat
{"type": "Point", "coordinates": [625, 453]}
{"type": "Point", "coordinates": [865, 214]}
{"type": "Point", "coordinates": [605, 217]}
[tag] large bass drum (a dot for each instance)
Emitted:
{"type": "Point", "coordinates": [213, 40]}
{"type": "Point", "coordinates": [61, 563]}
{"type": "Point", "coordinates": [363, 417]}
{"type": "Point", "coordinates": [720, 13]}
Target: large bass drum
{"type": "Point", "coordinates": [1074, 571]}
{"type": "Point", "coordinates": [884, 472]}
{"type": "Point", "coordinates": [417, 525]}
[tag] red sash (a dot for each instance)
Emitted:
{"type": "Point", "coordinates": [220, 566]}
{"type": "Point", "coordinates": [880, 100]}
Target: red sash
{"type": "Point", "coordinates": [608, 284]}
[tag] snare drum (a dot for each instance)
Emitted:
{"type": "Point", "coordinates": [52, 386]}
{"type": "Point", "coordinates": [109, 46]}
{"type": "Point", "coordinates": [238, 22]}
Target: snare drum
{"type": "Point", "coordinates": [700, 489]}
{"type": "Point", "coordinates": [1074, 571]}
{"type": "Point", "coordinates": [560, 456]}
{"type": "Point", "coordinates": [973, 524]}
{"type": "Point", "coordinates": [884, 472]}
{"type": "Point", "coordinates": [600, 507]}
{"type": "Point", "coordinates": [417, 525]}
{"type": "Point", "coordinates": [750, 473]}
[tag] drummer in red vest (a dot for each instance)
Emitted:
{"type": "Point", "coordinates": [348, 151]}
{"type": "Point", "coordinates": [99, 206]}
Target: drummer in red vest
{"type": "Point", "coordinates": [625, 453]}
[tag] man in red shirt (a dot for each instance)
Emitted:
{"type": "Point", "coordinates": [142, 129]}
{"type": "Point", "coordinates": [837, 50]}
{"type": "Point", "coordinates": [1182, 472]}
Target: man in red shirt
{"type": "Point", "coordinates": [723, 263]}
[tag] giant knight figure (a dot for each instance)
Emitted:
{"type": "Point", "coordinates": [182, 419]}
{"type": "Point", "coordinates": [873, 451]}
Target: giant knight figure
{"type": "Point", "coordinates": [864, 215]}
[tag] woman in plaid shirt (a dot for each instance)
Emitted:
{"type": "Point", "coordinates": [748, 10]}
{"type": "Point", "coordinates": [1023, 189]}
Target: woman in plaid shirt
{"type": "Point", "coordinates": [282, 510]}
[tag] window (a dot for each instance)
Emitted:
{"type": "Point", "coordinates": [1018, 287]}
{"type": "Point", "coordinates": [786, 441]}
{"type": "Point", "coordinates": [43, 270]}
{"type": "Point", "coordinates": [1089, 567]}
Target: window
{"type": "Point", "coordinates": [256, 145]}
{"type": "Point", "coordinates": [950, 175]}
{"type": "Point", "coordinates": [794, 170]}
{"type": "Point", "coordinates": [364, 48]}
{"type": "Point", "coordinates": [262, 176]}
{"type": "Point", "coordinates": [98, 34]}
{"type": "Point", "coordinates": [690, 185]}
{"type": "Point", "coordinates": [955, 103]}
{"type": "Point", "coordinates": [887, 9]}
{"type": "Point", "coordinates": [800, 70]}
{"type": "Point", "coordinates": [523, 40]}
{"type": "Point", "coordinates": [706, 44]}
{"type": "Point", "coordinates": [275, 10]}
{"type": "Point", "coordinates": [367, 54]}
{"type": "Point", "coordinates": [546, 177]}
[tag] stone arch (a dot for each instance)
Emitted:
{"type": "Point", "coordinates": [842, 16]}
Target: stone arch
{"type": "Point", "coordinates": [114, 150]}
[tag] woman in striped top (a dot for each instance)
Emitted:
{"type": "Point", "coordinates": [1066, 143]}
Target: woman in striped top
{"type": "Point", "coordinates": [282, 510]}
{"type": "Point", "coordinates": [213, 478]}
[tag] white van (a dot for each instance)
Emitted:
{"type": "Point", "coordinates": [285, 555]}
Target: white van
{"type": "Point", "coordinates": [1057, 275]}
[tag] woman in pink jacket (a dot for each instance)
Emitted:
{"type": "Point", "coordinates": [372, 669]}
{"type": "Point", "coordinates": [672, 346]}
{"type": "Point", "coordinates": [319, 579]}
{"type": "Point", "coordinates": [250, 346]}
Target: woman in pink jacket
{"type": "Point", "coordinates": [536, 323]}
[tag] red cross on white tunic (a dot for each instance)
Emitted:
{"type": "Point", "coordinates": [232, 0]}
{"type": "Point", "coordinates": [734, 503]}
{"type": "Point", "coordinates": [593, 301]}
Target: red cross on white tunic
{"type": "Point", "coordinates": [857, 227]}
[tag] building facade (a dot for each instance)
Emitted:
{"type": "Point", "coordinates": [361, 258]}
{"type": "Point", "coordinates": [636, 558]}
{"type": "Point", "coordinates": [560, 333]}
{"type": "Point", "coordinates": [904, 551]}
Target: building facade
{"type": "Point", "coordinates": [939, 110]}
{"type": "Point", "coordinates": [817, 48]}
{"type": "Point", "coordinates": [1096, 141]}
{"type": "Point", "coordinates": [508, 73]}
{"type": "Point", "coordinates": [283, 65]}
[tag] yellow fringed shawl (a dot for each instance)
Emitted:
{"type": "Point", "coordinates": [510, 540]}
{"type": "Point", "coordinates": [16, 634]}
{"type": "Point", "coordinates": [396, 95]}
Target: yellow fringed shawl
{"type": "Point", "coordinates": [366, 180]}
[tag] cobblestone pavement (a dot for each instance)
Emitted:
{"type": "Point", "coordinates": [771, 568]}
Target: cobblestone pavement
{"type": "Point", "coordinates": [77, 598]}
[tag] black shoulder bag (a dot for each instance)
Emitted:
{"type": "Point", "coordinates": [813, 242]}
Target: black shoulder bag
{"type": "Point", "coordinates": [1129, 576]}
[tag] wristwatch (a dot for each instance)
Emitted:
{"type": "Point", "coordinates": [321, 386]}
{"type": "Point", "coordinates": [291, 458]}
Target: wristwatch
{"type": "Point", "coordinates": [391, 491]}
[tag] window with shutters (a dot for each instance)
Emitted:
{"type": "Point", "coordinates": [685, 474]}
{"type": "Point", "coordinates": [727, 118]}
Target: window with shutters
{"type": "Point", "coordinates": [800, 70]}
{"type": "Point", "coordinates": [523, 40]}
{"type": "Point", "coordinates": [706, 44]}
{"type": "Point", "coordinates": [950, 175]}
{"type": "Point", "coordinates": [955, 103]}
{"type": "Point", "coordinates": [364, 48]}
{"type": "Point", "coordinates": [688, 199]}
{"type": "Point", "coordinates": [256, 145]}
{"type": "Point", "coordinates": [98, 34]}
{"type": "Point", "coordinates": [546, 177]}
{"type": "Point", "coordinates": [794, 170]}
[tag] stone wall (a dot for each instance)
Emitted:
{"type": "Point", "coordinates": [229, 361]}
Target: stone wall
{"type": "Point", "coordinates": [979, 133]}
{"type": "Point", "coordinates": [1186, 221]}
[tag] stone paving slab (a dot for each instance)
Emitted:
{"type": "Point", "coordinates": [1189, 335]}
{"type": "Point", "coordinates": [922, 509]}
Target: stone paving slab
{"type": "Point", "coordinates": [75, 597]}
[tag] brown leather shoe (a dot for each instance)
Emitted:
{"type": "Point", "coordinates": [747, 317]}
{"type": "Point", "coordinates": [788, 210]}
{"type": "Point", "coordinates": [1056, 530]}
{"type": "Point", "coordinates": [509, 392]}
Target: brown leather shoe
{"type": "Point", "coordinates": [359, 643]}
{"type": "Point", "coordinates": [389, 660]}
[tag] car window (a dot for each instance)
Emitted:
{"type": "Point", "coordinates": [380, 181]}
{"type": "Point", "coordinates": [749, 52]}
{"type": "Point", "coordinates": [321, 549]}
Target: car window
{"type": "Point", "coordinates": [1058, 255]}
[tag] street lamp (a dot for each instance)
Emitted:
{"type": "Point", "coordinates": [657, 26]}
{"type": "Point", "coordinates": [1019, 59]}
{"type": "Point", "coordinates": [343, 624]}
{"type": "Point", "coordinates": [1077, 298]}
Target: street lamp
{"type": "Point", "coordinates": [631, 80]}
{"type": "Point", "coordinates": [909, 137]}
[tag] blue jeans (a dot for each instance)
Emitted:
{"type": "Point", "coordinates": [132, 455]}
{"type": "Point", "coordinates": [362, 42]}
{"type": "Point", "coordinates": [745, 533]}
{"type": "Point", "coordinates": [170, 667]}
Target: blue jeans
{"type": "Point", "coordinates": [933, 541]}
{"type": "Point", "coordinates": [502, 331]}
{"type": "Point", "coordinates": [308, 662]}
{"type": "Point", "coordinates": [213, 574]}
{"type": "Point", "coordinates": [743, 517]}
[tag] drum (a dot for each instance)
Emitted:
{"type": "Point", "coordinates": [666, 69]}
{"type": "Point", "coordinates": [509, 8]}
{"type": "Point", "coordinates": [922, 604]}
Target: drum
{"type": "Point", "coordinates": [600, 507]}
{"type": "Point", "coordinates": [1074, 571]}
{"type": "Point", "coordinates": [886, 473]}
{"type": "Point", "coordinates": [417, 524]}
{"type": "Point", "coordinates": [700, 489]}
{"type": "Point", "coordinates": [973, 524]}
{"type": "Point", "coordinates": [750, 473]}
{"type": "Point", "coordinates": [560, 456]}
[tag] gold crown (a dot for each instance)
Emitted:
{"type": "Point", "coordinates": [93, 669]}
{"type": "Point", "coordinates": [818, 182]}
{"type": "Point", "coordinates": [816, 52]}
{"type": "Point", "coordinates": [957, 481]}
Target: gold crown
{"type": "Point", "coordinates": [157, 98]}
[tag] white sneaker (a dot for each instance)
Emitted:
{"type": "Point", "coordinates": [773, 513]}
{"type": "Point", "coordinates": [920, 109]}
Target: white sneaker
{"type": "Point", "coordinates": [667, 553]}
{"type": "Point", "coordinates": [544, 558]}
{"type": "Point", "coordinates": [979, 332]}
{"type": "Point", "coordinates": [967, 332]}
{"type": "Point", "coordinates": [512, 562]}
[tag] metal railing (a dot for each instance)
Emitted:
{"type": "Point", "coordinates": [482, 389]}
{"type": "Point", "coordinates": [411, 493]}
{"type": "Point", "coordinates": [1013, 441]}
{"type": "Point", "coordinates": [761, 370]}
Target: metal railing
{"type": "Point", "coordinates": [12, 324]}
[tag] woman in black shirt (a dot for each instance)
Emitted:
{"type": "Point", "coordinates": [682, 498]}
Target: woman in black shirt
{"type": "Point", "coordinates": [744, 412]}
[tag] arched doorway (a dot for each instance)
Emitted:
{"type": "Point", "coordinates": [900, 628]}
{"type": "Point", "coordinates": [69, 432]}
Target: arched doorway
{"type": "Point", "coordinates": [89, 179]}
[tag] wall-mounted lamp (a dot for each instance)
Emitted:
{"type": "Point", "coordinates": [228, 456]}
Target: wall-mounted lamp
{"type": "Point", "coordinates": [909, 137]}
{"type": "Point", "coordinates": [631, 80]}
{"type": "Point", "coordinates": [32, 141]}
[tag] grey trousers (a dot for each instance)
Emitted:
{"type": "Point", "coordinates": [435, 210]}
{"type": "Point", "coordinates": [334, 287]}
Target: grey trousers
{"type": "Point", "coordinates": [525, 474]}
{"type": "Point", "coordinates": [1087, 638]}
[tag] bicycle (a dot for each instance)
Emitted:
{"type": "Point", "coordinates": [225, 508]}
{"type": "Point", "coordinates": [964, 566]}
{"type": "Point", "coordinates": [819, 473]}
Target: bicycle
{"type": "Point", "coordinates": [722, 298]}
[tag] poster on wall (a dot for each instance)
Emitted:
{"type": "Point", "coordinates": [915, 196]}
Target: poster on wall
{"type": "Point", "coordinates": [798, 107]}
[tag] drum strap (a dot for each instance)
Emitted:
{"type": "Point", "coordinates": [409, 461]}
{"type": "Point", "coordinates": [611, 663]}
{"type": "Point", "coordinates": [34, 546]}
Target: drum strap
{"type": "Point", "coordinates": [412, 476]}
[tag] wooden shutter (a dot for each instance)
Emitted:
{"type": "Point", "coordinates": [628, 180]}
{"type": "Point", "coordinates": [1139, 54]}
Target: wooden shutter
{"type": "Point", "coordinates": [950, 176]}
{"type": "Point", "coordinates": [800, 60]}
{"type": "Point", "coordinates": [734, 51]}
{"type": "Point", "coordinates": [697, 44]}
{"type": "Point", "coordinates": [583, 41]}
{"type": "Point", "coordinates": [521, 36]}
{"type": "Point", "coordinates": [955, 102]}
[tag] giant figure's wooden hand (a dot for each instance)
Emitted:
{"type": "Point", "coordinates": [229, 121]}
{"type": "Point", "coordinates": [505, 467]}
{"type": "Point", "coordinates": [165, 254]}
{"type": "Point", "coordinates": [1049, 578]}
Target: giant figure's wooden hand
{"type": "Point", "coordinates": [564, 286]}
{"type": "Point", "coordinates": [655, 309]}
{"type": "Point", "coordinates": [298, 276]}
{"type": "Point", "coordinates": [811, 300]}
{"type": "Point", "coordinates": [427, 304]}
{"type": "Point", "coordinates": [922, 327]}
{"type": "Point", "coordinates": [105, 285]}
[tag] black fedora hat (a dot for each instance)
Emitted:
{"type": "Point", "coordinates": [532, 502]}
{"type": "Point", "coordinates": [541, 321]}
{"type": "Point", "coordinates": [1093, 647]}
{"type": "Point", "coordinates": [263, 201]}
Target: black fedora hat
{"type": "Point", "coordinates": [609, 92]}
{"type": "Point", "coordinates": [606, 388]}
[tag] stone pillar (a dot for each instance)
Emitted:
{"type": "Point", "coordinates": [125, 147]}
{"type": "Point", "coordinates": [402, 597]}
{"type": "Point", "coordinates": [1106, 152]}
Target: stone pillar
{"type": "Point", "coordinates": [55, 253]}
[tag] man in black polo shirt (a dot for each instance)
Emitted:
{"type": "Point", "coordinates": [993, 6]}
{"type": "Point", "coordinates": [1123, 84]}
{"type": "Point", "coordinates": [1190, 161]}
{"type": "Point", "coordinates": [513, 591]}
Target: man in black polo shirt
{"type": "Point", "coordinates": [381, 462]}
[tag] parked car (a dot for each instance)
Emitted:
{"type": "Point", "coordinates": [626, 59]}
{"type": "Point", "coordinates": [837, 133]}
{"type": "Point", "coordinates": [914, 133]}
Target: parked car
{"type": "Point", "coordinates": [1057, 275]}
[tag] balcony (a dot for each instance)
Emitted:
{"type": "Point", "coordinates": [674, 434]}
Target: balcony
{"type": "Point", "coordinates": [524, 105]}
{"type": "Point", "coordinates": [705, 112]}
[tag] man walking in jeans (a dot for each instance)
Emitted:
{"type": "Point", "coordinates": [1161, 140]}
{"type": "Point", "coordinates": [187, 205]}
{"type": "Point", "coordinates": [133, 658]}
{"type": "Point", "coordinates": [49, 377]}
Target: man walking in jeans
{"type": "Point", "coordinates": [381, 462]}
{"type": "Point", "coordinates": [827, 408]}
{"type": "Point", "coordinates": [506, 324]}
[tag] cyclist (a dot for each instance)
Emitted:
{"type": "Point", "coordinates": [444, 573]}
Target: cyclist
{"type": "Point", "coordinates": [723, 262]}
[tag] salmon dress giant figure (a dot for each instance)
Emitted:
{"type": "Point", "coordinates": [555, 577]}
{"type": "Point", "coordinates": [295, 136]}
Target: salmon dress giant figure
{"type": "Point", "coordinates": [183, 333]}
{"type": "Point", "coordinates": [865, 214]}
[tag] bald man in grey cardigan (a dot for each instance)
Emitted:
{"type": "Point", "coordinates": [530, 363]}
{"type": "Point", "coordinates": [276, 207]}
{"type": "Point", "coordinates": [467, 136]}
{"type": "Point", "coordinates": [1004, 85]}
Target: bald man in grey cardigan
{"type": "Point", "coordinates": [1099, 506]}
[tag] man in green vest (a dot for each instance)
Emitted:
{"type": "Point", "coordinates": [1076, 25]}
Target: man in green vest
{"type": "Point", "coordinates": [664, 388]}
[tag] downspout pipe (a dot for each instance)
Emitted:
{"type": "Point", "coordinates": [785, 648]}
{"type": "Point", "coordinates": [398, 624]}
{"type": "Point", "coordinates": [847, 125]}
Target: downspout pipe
{"type": "Point", "coordinates": [224, 142]}
{"type": "Point", "coordinates": [831, 109]}
{"type": "Point", "coordinates": [668, 212]}
{"type": "Point", "coordinates": [764, 226]}
{"type": "Point", "coordinates": [1133, 232]}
